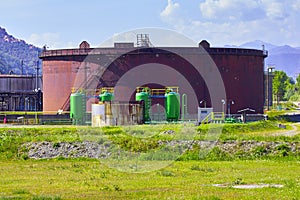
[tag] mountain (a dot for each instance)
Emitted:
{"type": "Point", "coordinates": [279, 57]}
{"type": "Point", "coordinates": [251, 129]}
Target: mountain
{"type": "Point", "coordinates": [15, 53]}
{"type": "Point", "coordinates": [284, 58]}
{"type": "Point", "coordinates": [258, 44]}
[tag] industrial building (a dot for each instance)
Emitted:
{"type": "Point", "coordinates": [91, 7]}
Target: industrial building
{"type": "Point", "coordinates": [242, 72]}
{"type": "Point", "coordinates": [20, 92]}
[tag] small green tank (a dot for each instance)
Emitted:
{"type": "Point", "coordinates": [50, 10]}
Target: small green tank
{"type": "Point", "coordinates": [172, 103]}
{"type": "Point", "coordinates": [144, 96]}
{"type": "Point", "coordinates": [76, 108]}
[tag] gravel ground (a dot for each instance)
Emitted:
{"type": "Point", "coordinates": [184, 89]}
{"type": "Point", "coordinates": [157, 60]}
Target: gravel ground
{"type": "Point", "coordinates": [43, 150]}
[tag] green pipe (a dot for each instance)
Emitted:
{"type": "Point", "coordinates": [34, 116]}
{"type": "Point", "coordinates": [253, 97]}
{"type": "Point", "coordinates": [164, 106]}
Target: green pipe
{"type": "Point", "coordinates": [183, 106]}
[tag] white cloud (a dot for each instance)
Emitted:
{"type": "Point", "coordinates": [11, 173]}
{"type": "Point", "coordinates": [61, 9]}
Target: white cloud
{"type": "Point", "coordinates": [296, 5]}
{"type": "Point", "coordinates": [235, 22]}
{"type": "Point", "coordinates": [71, 45]}
{"type": "Point", "coordinates": [171, 15]}
{"type": "Point", "coordinates": [224, 10]}
{"type": "Point", "coordinates": [276, 10]}
{"type": "Point", "coordinates": [245, 10]}
{"type": "Point", "coordinates": [129, 36]}
{"type": "Point", "coordinates": [158, 37]}
{"type": "Point", "coordinates": [51, 40]}
{"type": "Point", "coordinates": [170, 9]}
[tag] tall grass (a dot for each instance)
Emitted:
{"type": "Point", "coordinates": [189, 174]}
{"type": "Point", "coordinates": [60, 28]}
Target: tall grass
{"type": "Point", "coordinates": [135, 138]}
{"type": "Point", "coordinates": [257, 131]}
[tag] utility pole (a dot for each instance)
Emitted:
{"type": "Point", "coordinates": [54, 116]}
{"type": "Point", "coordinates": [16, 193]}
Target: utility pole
{"type": "Point", "coordinates": [269, 86]}
{"type": "Point", "coordinates": [37, 74]}
{"type": "Point", "coordinates": [223, 106]}
{"type": "Point", "coordinates": [37, 99]}
{"type": "Point", "coordinates": [22, 67]}
{"type": "Point", "coordinates": [229, 102]}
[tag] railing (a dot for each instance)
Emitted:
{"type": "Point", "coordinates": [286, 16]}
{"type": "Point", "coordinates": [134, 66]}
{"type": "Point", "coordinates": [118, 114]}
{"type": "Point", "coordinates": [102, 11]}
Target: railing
{"type": "Point", "coordinates": [66, 104]}
{"type": "Point", "coordinates": [207, 119]}
{"type": "Point", "coordinates": [158, 91]}
{"type": "Point", "coordinates": [107, 89]}
{"type": "Point", "coordinates": [184, 50]}
{"type": "Point", "coordinates": [172, 89]}
{"type": "Point", "coordinates": [238, 51]}
{"type": "Point", "coordinates": [213, 116]}
{"type": "Point", "coordinates": [65, 52]}
{"type": "Point", "coordinates": [143, 89]}
{"type": "Point", "coordinates": [218, 116]}
{"type": "Point", "coordinates": [84, 52]}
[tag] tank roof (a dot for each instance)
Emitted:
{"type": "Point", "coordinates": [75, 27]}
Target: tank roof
{"type": "Point", "coordinates": [122, 48]}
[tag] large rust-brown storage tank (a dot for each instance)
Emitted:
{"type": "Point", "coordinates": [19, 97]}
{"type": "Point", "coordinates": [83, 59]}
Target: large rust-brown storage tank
{"type": "Point", "coordinates": [242, 71]}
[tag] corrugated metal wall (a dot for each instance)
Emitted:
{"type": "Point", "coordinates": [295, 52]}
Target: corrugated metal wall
{"type": "Point", "coordinates": [19, 83]}
{"type": "Point", "coordinates": [18, 93]}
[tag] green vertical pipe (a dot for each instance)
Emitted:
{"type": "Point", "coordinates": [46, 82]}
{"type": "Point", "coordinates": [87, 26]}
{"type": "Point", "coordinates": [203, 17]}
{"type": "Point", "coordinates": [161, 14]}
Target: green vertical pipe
{"type": "Point", "coordinates": [183, 106]}
{"type": "Point", "coordinates": [84, 100]}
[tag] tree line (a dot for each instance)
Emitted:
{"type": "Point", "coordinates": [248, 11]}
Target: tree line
{"type": "Point", "coordinates": [285, 88]}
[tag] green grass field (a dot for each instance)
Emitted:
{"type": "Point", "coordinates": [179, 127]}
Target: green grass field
{"type": "Point", "coordinates": [75, 179]}
{"type": "Point", "coordinates": [82, 178]}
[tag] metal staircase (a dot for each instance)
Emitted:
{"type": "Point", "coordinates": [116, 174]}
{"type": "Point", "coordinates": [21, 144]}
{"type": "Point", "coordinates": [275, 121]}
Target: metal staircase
{"type": "Point", "coordinates": [214, 117]}
{"type": "Point", "coordinates": [87, 83]}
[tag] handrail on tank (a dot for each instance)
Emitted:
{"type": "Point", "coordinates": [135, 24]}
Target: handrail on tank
{"type": "Point", "coordinates": [74, 90]}
{"type": "Point", "coordinates": [106, 89]}
{"type": "Point", "coordinates": [158, 91]}
{"type": "Point", "coordinates": [172, 89]}
{"type": "Point", "coordinates": [143, 89]}
{"type": "Point", "coordinates": [87, 91]}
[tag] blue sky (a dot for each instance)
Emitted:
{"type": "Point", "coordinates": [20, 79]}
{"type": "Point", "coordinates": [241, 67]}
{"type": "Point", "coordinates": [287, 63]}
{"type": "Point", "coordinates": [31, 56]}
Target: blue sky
{"type": "Point", "coordinates": [65, 23]}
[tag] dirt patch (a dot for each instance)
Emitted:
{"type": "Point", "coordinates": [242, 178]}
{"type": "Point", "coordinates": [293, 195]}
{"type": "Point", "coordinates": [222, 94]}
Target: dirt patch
{"type": "Point", "coordinates": [289, 133]}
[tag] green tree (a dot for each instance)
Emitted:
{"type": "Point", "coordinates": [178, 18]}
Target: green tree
{"type": "Point", "coordinates": [290, 89]}
{"type": "Point", "coordinates": [296, 93]}
{"type": "Point", "coordinates": [297, 84]}
{"type": "Point", "coordinates": [280, 85]}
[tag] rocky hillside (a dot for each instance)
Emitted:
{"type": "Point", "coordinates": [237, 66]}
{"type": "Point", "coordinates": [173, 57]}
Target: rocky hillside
{"type": "Point", "coordinates": [15, 53]}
